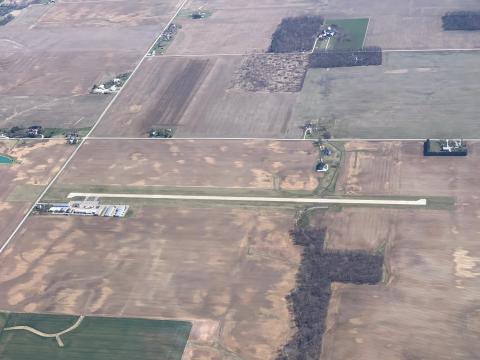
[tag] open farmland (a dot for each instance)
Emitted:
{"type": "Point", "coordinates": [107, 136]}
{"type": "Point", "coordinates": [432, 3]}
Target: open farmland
{"type": "Point", "coordinates": [201, 245]}
{"type": "Point", "coordinates": [172, 263]}
{"type": "Point", "coordinates": [406, 24]}
{"type": "Point", "coordinates": [393, 24]}
{"type": "Point", "coordinates": [35, 164]}
{"type": "Point", "coordinates": [409, 96]}
{"type": "Point", "coordinates": [427, 306]}
{"type": "Point", "coordinates": [95, 338]}
{"type": "Point", "coordinates": [50, 57]}
{"type": "Point", "coordinates": [234, 28]}
{"type": "Point", "coordinates": [244, 166]}
{"type": "Point", "coordinates": [196, 97]}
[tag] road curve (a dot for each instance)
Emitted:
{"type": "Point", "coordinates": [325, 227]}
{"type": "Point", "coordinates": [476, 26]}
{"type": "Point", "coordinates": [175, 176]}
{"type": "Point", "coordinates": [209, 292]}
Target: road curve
{"type": "Point", "coordinates": [42, 334]}
{"type": "Point", "coordinates": [418, 202]}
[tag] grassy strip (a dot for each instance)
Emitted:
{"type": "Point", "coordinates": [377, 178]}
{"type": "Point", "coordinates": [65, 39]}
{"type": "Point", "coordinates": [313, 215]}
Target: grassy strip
{"type": "Point", "coordinates": [194, 14]}
{"type": "Point", "coordinates": [327, 184]}
{"type": "Point", "coordinates": [60, 192]}
{"type": "Point", "coordinates": [25, 192]}
{"type": "Point", "coordinates": [61, 132]}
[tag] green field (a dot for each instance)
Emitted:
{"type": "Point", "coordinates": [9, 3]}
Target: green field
{"type": "Point", "coordinates": [351, 34]}
{"type": "Point", "coordinates": [97, 338]}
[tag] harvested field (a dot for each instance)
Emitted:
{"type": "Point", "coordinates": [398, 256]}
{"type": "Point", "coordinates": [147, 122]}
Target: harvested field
{"type": "Point", "coordinates": [356, 228]}
{"type": "Point", "coordinates": [35, 164]}
{"type": "Point", "coordinates": [406, 24]}
{"type": "Point", "coordinates": [232, 30]}
{"type": "Point", "coordinates": [427, 306]}
{"type": "Point", "coordinates": [207, 164]}
{"type": "Point", "coordinates": [226, 269]}
{"type": "Point", "coordinates": [124, 13]}
{"type": "Point", "coordinates": [199, 104]}
{"type": "Point", "coordinates": [96, 338]}
{"type": "Point", "coordinates": [158, 96]}
{"type": "Point", "coordinates": [409, 96]}
{"type": "Point", "coordinates": [393, 24]}
{"type": "Point", "coordinates": [50, 56]}
{"type": "Point", "coordinates": [273, 73]}
{"type": "Point", "coordinates": [399, 168]}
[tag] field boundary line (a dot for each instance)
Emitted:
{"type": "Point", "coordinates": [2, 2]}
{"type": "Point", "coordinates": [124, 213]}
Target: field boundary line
{"type": "Point", "coordinates": [120, 138]}
{"type": "Point", "coordinates": [100, 138]}
{"type": "Point", "coordinates": [418, 202]}
{"type": "Point", "coordinates": [383, 50]}
{"type": "Point", "coordinates": [366, 31]}
{"type": "Point", "coordinates": [431, 50]}
{"type": "Point", "coordinates": [84, 139]}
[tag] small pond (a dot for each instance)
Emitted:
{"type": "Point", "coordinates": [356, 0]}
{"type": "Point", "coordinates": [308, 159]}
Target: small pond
{"type": "Point", "coordinates": [5, 159]}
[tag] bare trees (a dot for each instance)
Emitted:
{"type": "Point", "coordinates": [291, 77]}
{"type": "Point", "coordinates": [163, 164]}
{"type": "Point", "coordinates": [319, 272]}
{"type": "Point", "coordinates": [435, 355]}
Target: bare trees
{"type": "Point", "coordinates": [296, 34]}
{"type": "Point", "coordinates": [310, 299]}
{"type": "Point", "coordinates": [461, 20]}
{"type": "Point", "coordinates": [340, 58]}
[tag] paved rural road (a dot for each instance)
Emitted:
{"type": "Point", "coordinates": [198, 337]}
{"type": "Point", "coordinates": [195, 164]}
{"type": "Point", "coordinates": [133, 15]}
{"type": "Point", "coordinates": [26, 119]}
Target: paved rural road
{"type": "Point", "coordinates": [419, 202]}
{"type": "Point", "coordinates": [100, 118]}
{"type": "Point", "coordinates": [42, 334]}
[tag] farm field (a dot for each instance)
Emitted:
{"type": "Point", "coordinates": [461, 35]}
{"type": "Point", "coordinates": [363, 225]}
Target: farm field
{"type": "Point", "coordinates": [172, 263]}
{"type": "Point", "coordinates": [208, 270]}
{"type": "Point", "coordinates": [96, 338]}
{"type": "Point", "coordinates": [196, 97]}
{"type": "Point", "coordinates": [237, 30]}
{"type": "Point", "coordinates": [406, 24]}
{"type": "Point", "coordinates": [51, 56]}
{"type": "Point", "coordinates": [393, 24]}
{"type": "Point", "coordinates": [427, 304]}
{"type": "Point", "coordinates": [247, 165]}
{"type": "Point", "coordinates": [351, 34]}
{"type": "Point", "coordinates": [427, 95]}
{"type": "Point", "coordinates": [35, 164]}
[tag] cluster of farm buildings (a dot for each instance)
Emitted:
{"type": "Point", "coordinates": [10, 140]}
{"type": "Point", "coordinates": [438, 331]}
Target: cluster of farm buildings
{"type": "Point", "coordinates": [83, 208]}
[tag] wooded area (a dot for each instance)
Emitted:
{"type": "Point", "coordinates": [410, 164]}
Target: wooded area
{"type": "Point", "coordinates": [310, 299]}
{"type": "Point", "coordinates": [296, 34]}
{"type": "Point", "coordinates": [461, 20]}
{"type": "Point", "coordinates": [343, 58]}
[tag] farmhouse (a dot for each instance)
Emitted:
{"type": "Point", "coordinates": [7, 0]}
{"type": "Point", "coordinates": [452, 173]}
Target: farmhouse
{"type": "Point", "coordinates": [322, 166]}
{"type": "Point", "coordinates": [445, 147]}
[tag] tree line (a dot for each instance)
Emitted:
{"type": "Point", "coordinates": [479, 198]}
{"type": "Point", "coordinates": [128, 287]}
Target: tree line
{"type": "Point", "coordinates": [461, 20]}
{"type": "Point", "coordinates": [371, 55]}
